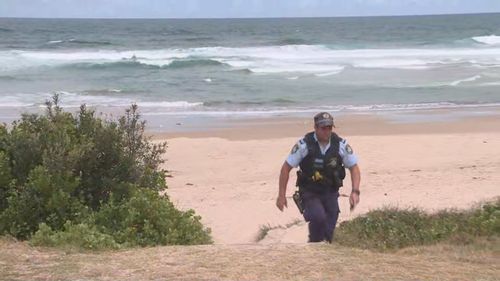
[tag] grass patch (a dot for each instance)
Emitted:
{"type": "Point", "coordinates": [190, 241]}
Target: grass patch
{"type": "Point", "coordinates": [264, 229]}
{"type": "Point", "coordinates": [391, 228]}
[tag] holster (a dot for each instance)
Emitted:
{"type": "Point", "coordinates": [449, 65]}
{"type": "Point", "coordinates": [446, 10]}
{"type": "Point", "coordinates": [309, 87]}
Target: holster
{"type": "Point", "coordinates": [300, 179]}
{"type": "Point", "coordinates": [297, 198]}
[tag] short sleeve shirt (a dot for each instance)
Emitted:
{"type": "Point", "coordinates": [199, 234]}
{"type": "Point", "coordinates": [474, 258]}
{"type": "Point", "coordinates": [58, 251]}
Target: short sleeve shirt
{"type": "Point", "coordinates": [300, 151]}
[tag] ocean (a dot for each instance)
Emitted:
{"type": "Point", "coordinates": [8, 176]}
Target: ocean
{"type": "Point", "coordinates": [197, 70]}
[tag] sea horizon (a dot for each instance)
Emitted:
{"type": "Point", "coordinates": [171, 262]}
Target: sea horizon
{"type": "Point", "coordinates": [232, 18]}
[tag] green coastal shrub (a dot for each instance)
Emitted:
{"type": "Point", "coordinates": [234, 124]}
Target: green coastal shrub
{"type": "Point", "coordinates": [65, 171]}
{"type": "Point", "coordinates": [391, 228]}
{"type": "Point", "coordinates": [45, 198]}
{"type": "Point", "coordinates": [5, 178]}
{"type": "Point", "coordinates": [146, 219]}
{"type": "Point", "coordinates": [79, 236]}
{"type": "Point", "coordinates": [149, 219]}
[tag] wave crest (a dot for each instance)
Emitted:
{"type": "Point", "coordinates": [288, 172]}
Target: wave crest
{"type": "Point", "coordinates": [110, 65]}
{"type": "Point", "coordinates": [312, 59]}
{"type": "Point", "coordinates": [469, 79]}
{"type": "Point", "coordinates": [79, 42]}
{"type": "Point", "coordinates": [193, 63]}
{"type": "Point", "coordinates": [488, 40]}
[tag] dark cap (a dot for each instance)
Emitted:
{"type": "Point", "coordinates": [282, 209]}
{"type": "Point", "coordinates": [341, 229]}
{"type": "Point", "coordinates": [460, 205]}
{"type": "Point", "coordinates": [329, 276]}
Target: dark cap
{"type": "Point", "coordinates": [323, 119]}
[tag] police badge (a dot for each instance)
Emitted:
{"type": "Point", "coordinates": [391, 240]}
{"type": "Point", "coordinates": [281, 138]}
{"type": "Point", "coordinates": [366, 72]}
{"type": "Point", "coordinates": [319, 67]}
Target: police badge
{"type": "Point", "coordinates": [294, 148]}
{"type": "Point", "coordinates": [349, 150]}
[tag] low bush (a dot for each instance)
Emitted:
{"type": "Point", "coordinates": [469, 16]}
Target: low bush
{"type": "Point", "coordinates": [79, 236]}
{"type": "Point", "coordinates": [149, 219]}
{"type": "Point", "coordinates": [65, 175]}
{"type": "Point", "coordinates": [391, 228]}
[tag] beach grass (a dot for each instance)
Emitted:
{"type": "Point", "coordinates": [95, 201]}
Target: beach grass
{"type": "Point", "coordinates": [264, 229]}
{"type": "Point", "coordinates": [479, 260]}
{"type": "Point", "coordinates": [391, 228]}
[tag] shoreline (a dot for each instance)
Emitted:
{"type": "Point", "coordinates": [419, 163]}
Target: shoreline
{"type": "Point", "coordinates": [383, 122]}
{"type": "Point", "coordinates": [359, 124]}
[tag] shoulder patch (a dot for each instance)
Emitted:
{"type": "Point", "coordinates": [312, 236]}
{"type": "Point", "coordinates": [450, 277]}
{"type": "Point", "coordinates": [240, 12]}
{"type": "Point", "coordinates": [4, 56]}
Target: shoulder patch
{"type": "Point", "coordinates": [349, 150]}
{"type": "Point", "coordinates": [294, 148]}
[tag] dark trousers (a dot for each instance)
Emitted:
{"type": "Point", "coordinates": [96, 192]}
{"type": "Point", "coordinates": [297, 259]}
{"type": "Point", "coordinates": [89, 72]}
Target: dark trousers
{"type": "Point", "coordinates": [321, 210]}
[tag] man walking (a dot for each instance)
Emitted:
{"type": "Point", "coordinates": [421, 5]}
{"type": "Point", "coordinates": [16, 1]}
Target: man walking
{"type": "Point", "coordinates": [322, 156]}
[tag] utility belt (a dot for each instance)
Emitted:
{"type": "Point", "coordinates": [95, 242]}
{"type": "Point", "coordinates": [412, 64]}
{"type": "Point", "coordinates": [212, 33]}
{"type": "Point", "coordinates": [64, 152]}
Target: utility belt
{"type": "Point", "coordinates": [318, 182]}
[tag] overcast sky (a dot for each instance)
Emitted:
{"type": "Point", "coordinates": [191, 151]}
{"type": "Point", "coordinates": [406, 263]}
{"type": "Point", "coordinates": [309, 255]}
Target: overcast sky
{"type": "Point", "coordinates": [237, 8]}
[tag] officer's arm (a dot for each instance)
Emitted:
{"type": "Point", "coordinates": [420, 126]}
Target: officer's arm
{"type": "Point", "coordinates": [350, 160]}
{"type": "Point", "coordinates": [283, 181]}
{"type": "Point", "coordinates": [355, 177]}
{"type": "Point", "coordinates": [299, 151]}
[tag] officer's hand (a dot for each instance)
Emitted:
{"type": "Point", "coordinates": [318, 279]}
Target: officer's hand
{"type": "Point", "coordinates": [353, 200]}
{"type": "Point", "coordinates": [281, 202]}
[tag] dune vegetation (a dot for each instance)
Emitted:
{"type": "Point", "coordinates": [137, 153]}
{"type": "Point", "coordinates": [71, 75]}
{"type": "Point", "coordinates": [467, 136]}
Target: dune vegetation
{"type": "Point", "coordinates": [77, 180]}
{"type": "Point", "coordinates": [391, 229]}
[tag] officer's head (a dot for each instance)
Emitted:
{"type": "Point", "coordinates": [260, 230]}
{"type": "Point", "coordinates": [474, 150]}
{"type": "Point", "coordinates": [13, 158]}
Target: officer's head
{"type": "Point", "coordinates": [323, 124]}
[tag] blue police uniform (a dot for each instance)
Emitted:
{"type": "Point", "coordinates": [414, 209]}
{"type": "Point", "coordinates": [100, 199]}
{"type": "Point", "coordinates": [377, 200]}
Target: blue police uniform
{"type": "Point", "coordinates": [321, 208]}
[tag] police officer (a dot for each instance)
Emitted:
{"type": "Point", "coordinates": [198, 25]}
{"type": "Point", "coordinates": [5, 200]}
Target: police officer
{"type": "Point", "coordinates": [322, 156]}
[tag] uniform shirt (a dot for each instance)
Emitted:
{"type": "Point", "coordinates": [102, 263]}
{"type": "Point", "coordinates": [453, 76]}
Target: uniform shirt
{"type": "Point", "coordinates": [300, 151]}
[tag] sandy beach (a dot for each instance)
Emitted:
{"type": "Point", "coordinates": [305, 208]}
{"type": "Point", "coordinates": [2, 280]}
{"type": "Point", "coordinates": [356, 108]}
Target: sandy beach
{"type": "Point", "coordinates": [230, 176]}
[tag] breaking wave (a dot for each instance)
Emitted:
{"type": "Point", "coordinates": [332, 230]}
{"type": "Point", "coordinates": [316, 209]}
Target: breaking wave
{"type": "Point", "coordinates": [314, 59]}
{"type": "Point", "coordinates": [488, 40]}
{"type": "Point", "coordinates": [84, 43]}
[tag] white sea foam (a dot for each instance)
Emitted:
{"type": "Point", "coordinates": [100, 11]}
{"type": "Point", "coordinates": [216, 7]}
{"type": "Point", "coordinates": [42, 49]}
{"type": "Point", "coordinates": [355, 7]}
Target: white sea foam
{"type": "Point", "coordinates": [394, 63]}
{"type": "Point", "coordinates": [73, 99]}
{"type": "Point", "coordinates": [189, 108]}
{"type": "Point", "coordinates": [488, 40]}
{"type": "Point", "coordinates": [469, 79]}
{"type": "Point", "coordinates": [497, 83]}
{"type": "Point", "coordinates": [328, 73]}
{"type": "Point", "coordinates": [172, 105]}
{"type": "Point", "coordinates": [14, 103]}
{"type": "Point", "coordinates": [282, 67]}
{"type": "Point", "coordinates": [156, 62]}
{"type": "Point", "coordinates": [277, 111]}
{"type": "Point", "coordinates": [22, 100]}
{"type": "Point", "coordinates": [314, 59]}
